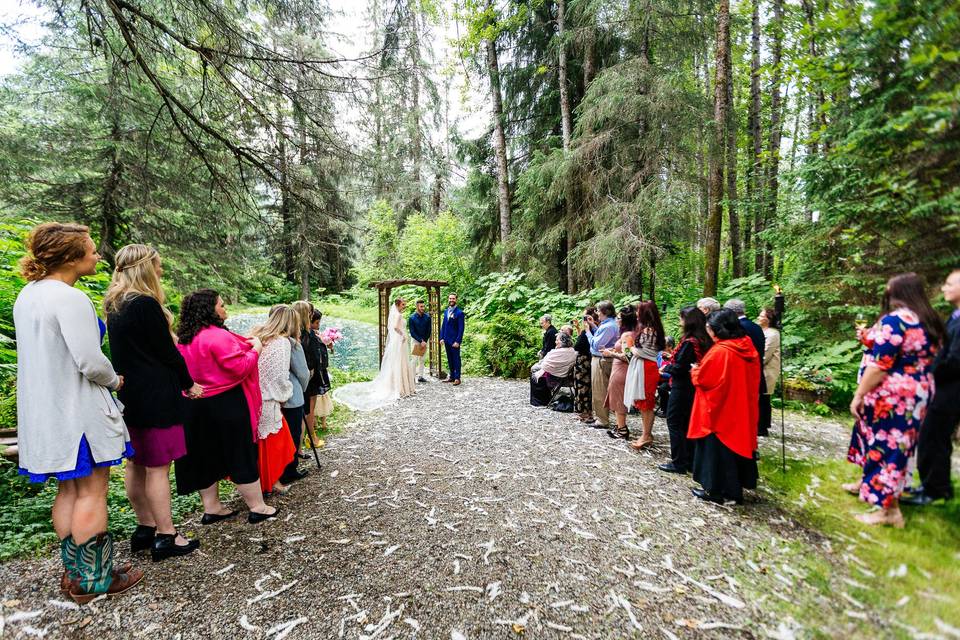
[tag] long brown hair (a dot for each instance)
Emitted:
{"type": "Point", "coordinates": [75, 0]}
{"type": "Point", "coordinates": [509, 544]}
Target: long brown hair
{"type": "Point", "coordinates": [648, 317]}
{"type": "Point", "coordinates": [52, 245]}
{"type": "Point", "coordinates": [908, 290]}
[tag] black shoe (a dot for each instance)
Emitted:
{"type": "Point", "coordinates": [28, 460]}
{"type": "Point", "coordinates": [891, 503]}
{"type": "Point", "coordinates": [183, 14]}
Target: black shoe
{"type": "Point", "coordinates": [256, 518]}
{"type": "Point", "coordinates": [290, 477]}
{"type": "Point", "coordinates": [421, 380]}
{"type": "Point", "coordinates": [618, 435]}
{"type": "Point", "coordinates": [165, 546]}
{"type": "Point", "coordinates": [703, 495]}
{"type": "Point", "coordinates": [921, 499]}
{"type": "Point", "coordinates": [213, 518]}
{"type": "Point", "coordinates": [669, 467]}
{"type": "Point", "coordinates": [142, 538]}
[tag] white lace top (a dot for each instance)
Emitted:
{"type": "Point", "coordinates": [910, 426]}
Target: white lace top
{"type": "Point", "coordinates": [275, 385]}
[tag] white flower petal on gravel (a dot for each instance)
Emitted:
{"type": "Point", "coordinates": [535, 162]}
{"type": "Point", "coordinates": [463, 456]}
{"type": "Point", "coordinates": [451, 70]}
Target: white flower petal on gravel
{"type": "Point", "coordinates": [245, 624]}
{"type": "Point", "coordinates": [284, 628]}
{"type": "Point", "coordinates": [62, 604]}
{"type": "Point", "coordinates": [389, 551]}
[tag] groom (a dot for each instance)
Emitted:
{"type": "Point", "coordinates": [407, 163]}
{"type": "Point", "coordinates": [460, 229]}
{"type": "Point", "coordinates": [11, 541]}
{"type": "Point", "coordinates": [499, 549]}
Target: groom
{"type": "Point", "coordinates": [451, 335]}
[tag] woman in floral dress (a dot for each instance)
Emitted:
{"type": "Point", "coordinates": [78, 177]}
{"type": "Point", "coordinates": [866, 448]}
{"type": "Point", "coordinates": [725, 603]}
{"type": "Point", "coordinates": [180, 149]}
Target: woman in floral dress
{"type": "Point", "coordinates": [896, 383]}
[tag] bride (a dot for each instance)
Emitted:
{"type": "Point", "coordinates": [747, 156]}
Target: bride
{"type": "Point", "coordinates": [395, 379]}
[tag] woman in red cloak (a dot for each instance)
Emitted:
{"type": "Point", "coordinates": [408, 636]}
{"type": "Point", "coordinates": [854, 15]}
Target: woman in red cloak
{"type": "Point", "coordinates": [725, 412]}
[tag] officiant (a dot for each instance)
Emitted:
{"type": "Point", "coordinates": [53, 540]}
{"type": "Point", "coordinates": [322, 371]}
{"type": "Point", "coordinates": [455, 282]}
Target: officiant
{"type": "Point", "coordinates": [419, 327]}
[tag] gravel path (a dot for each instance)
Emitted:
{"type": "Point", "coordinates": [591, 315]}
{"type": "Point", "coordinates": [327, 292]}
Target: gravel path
{"type": "Point", "coordinates": [466, 513]}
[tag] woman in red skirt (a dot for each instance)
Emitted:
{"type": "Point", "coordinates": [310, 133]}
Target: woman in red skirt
{"type": "Point", "coordinates": [644, 374]}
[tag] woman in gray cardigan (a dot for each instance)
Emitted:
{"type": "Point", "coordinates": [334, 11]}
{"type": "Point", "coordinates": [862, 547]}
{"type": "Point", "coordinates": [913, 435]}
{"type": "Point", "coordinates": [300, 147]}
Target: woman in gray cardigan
{"type": "Point", "coordinates": [78, 438]}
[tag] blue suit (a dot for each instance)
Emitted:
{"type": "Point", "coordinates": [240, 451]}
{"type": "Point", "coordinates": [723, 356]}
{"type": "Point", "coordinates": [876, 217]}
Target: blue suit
{"type": "Point", "coordinates": [451, 331]}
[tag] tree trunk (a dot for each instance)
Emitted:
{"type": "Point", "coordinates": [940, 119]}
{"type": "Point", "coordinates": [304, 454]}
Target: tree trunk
{"type": "Point", "coordinates": [731, 131]}
{"type": "Point", "coordinates": [776, 131]}
{"type": "Point", "coordinates": [812, 119]}
{"type": "Point", "coordinates": [286, 219]}
{"type": "Point", "coordinates": [653, 276]}
{"type": "Point", "coordinates": [754, 168]}
{"type": "Point", "coordinates": [566, 126]}
{"type": "Point", "coordinates": [499, 147]}
{"type": "Point", "coordinates": [715, 219]}
{"type": "Point", "coordinates": [416, 144]}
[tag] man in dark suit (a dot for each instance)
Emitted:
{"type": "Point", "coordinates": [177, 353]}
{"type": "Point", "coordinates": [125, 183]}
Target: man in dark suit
{"type": "Point", "coordinates": [452, 326]}
{"type": "Point", "coordinates": [935, 445]}
{"type": "Point", "coordinates": [549, 335]}
{"type": "Point", "coordinates": [755, 333]}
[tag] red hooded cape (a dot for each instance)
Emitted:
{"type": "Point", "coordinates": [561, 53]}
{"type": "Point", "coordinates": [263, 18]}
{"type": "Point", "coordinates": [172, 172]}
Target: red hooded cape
{"type": "Point", "coordinates": [727, 401]}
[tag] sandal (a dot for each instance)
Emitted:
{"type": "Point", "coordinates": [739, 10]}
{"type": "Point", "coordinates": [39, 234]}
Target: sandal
{"type": "Point", "coordinates": [641, 444]}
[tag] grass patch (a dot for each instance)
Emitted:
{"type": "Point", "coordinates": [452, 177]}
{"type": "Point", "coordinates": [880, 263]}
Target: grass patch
{"type": "Point", "coordinates": [349, 311]}
{"type": "Point", "coordinates": [927, 548]}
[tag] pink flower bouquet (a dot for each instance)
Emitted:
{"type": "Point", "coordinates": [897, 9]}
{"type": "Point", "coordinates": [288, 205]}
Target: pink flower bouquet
{"type": "Point", "coordinates": [330, 336]}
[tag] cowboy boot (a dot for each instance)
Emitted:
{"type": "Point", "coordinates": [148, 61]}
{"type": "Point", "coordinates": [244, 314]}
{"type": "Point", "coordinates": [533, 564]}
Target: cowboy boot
{"type": "Point", "coordinates": [94, 562]}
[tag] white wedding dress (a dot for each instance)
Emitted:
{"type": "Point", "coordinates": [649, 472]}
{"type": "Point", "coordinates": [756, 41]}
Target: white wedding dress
{"type": "Point", "coordinates": [395, 379]}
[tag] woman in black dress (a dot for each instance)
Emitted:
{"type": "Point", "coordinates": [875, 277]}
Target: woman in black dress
{"type": "Point", "coordinates": [694, 343]}
{"type": "Point", "coordinates": [582, 393]}
{"type": "Point", "coordinates": [144, 351]}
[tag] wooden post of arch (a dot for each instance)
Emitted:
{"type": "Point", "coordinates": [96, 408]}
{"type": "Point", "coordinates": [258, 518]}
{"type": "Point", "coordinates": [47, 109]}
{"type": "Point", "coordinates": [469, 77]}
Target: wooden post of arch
{"type": "Point", "coordinates": [384, 288]}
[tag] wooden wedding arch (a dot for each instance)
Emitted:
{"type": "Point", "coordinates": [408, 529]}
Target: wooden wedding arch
{"type": "Point", "coordinates": [384, 287]}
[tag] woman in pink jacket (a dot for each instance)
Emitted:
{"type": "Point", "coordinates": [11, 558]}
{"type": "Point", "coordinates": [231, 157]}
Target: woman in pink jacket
{"type": "Point", "coordinates": [221, 428]}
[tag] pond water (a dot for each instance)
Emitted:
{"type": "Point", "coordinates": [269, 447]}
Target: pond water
{"type": "Point", "coordinates": [356, 351]}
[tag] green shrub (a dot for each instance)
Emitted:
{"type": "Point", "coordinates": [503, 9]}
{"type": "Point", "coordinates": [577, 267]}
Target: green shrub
{"type": "Point", "coordinates": [509, 346]}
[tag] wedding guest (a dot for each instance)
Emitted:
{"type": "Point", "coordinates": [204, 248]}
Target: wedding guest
{"type": "Point", "coordinates": [549, 335]}
{"type": "Point", "coordinates": [771, 366]}
{"type": "Point", "coordinates": [724, 417]}
{"type": "Point", "coordinates": [755, 333]}
{"type": "Point", "coordinates": [694, 343]}
{"type": "Point", "coordinates": [621, 356]}
{"type": "Point", "coordinates": [68, 426]}
{"type": "Point", "coordinates": [554, 366]}
{"type": "Point", "coordinates": [582, 398]}
{"type": "Point", "coordinates": [644, 377]}
{"type": "Point", "coordinates": [144, 351]}
{"type": "Point", "coordinates": [310, 344]}
{"type": "Point", "coordinates": [319, 382]}
{"type": "Point", "coordinates": [294, 408]}
{"type": "Point", "coordinates": [275, 445]}
{"type": "Point", "coordinates": [221, 427]}
{"type": "Point", "coordinates": [708, 306]}
{"type": "Point", "coordinates": [420, 328]}
{"type": "Point", "coordinates": [935, 445]}
{"type": "Point", "coordinates": [567, 329]}
{"type": "Point", "coordinates": [321, 404]}
{"type": "Point", "coordinates": [602, 333]}
{"type": "Point", "coordinates": [664, 358]}
{"type": "Point", "coordinates": [452, 328]}
{"type": "Point", "coordinates": [896, 382]}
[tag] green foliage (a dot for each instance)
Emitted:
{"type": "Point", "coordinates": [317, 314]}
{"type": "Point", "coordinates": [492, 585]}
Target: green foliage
{"type": "Point", "coordinates": [509, 345]}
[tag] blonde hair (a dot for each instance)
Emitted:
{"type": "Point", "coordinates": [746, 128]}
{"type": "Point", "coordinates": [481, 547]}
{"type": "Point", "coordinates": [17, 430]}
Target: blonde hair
{"type": "Point", "coordinates": [282, 322]}
{"type": "Point", "coordinates": [52, 245]}
{"type": "Point", "coordinates": [304, 310]}
{"type": "Point", "coordinates": [135, 275]}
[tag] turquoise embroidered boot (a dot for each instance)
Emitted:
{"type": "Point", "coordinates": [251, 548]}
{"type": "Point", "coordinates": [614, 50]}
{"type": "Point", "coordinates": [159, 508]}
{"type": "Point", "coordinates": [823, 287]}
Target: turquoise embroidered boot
{"type": "Point", "coordinates": [94, 563]}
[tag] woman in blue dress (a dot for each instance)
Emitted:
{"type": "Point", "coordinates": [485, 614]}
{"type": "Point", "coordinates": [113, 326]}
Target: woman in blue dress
{"type": "Point", "coordinates": [78, 438]}
{"type": "Point", "coordinates": [896, 384]}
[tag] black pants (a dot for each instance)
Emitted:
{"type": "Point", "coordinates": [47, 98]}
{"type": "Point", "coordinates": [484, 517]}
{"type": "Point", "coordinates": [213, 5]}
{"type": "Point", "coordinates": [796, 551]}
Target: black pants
{"type": "Point", "coordinates": [540, 391]}
{"type": "Point", "coordinates": [294, 417]}
{"type": "Point", "coordinates": [678, 422]}
{"type": "Point", "coordinates": [663, 395]}
{"type": "Point", "coordinates": [766, 415]}
{"type": "Point", "coordinates": [220, 443]}
{"type": "Point", "coordinates": [935, 445]}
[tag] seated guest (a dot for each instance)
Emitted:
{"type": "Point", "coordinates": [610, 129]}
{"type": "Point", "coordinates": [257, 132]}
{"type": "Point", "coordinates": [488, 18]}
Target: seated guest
{"type": "Point", "coordinates": [724, 418]}
{"type": "Point", "coordinates": [771, 366]}
{"type": "Point", "coordinates": [275, 444]}
{"type": "Point", "coordinates": [221, 428]}
{"type": "Point", "coordinates": [582, 394]}
{"type": "Point", "coordinates": [755, 333]}
{"type": "Point", "coordinates": [547, 373]}
{"type": "Point", "coordinates": [567, 329]}
{"type": "Point", "coordinates": [549, 335]}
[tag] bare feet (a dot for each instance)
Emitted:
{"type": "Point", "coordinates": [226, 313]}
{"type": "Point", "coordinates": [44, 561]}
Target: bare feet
{"type": "Point", "coordinates": [885, 517]}
{"type": "Point", "coordinates": [851, 487]}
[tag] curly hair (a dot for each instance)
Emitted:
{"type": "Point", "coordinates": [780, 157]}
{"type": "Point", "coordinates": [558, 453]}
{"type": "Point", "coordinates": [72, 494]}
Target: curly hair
{"type": "Point", "coordinates": [52, 245]}
{"type": "Point", "coordinates": [197, 312]}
